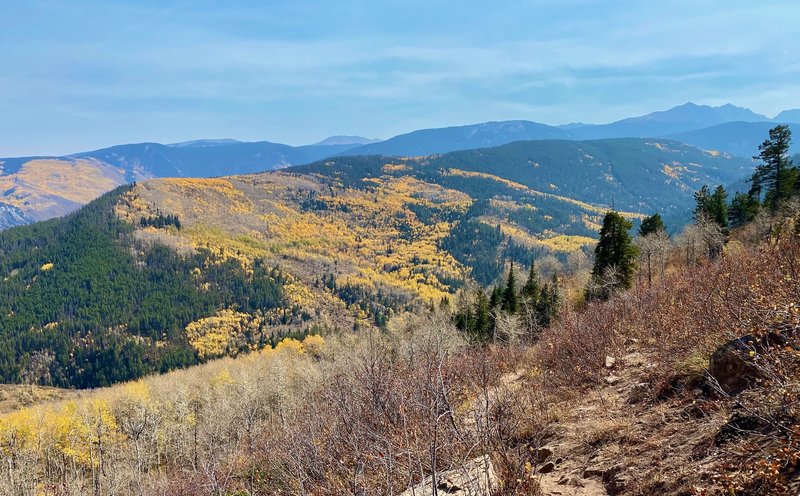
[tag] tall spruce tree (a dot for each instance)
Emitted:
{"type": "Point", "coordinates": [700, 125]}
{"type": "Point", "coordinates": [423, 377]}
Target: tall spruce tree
{"type": "Point", "coordinates": [616, 250]}
{"type": "Point", "coordinates": [532, 287]}
{"type": "Point", "coordinates": [509, 302]}
{"type": "Point", "coordinates": [482, 320]}
{"type": "Point", "coordinates": [549, 301]}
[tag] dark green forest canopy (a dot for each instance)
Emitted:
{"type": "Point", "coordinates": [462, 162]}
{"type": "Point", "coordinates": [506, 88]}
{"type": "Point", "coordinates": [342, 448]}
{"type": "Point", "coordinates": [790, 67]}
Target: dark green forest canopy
{"type": "Point", "coordinates": [82, 304]}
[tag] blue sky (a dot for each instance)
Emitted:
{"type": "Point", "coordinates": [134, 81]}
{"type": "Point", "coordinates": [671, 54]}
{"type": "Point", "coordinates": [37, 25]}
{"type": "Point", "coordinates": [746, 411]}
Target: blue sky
{"type": "Point", "coordinates": [83, 74]}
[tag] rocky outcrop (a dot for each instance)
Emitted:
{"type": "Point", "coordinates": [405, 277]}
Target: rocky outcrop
{"type": "Point", "coordinates": [475, 478]}
{"type": "Point", "coordinates": [734, 365]}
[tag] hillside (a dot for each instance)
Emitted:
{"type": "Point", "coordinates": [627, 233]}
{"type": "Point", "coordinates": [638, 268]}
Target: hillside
{"type": "Point", "coordinates": [171, 272]}
{"type": "Point", "coordinates": [448, 139]}
{"type": "Point", "coordinates": [88, 301]}
{"type": "Point", "coordinates": [736, 138]}
{"type": "Point", "coordinates": [619, 398]}
{"type": "Point", "coordinates": [45, 187]}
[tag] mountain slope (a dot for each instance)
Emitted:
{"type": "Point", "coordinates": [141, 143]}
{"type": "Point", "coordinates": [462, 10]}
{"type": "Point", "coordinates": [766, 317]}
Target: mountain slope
{"type": "Point", "coordinates": [788, 116]}
{"type": "Point", "coordinates": [11, 216]}
{"type": "Point", "coordinates": [46, 187]}
{"type": "Point", "coordinates": [204, 159]}
{"type": "Point", "coordinates": [89, 301]}
{"type": "Point", "coordinates": [678, 119]}
{"type": "Point", "coordinates": [448, 139]}
{"type": "Point", "coordinates": [737, 138]}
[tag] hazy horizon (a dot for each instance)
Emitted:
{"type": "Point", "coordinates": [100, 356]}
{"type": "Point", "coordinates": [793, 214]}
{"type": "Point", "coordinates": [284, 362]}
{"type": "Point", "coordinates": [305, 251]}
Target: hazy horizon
{"type": "Point", "coordinates": [88, 74]}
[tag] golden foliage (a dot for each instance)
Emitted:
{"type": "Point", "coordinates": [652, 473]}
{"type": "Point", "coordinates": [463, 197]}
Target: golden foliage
{"type": "Point", "coordinates": [221, 334]}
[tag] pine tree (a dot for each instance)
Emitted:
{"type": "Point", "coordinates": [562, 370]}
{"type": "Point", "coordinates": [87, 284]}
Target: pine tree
{"type": "Point", "coordinates": [509, 301]}
{"type": "Point", "coordinates": [712, 206]}
{"type": "Point", "coordinates": [548, 304]}
{"type": "Point", "coordinates": [496, 297]}
{"type": "Point", "coordinates": [775, 176]}
{"type": "Point", "coordinates": [743, 209]}
{"type": "Point", "coordinates": [482, 322]}
{"type": "Point", "coordinates": [615, 251]}
{"type": "Point", "coordinates": [651, 225]}
{"type": "Point", "coordinates": [532, 288]}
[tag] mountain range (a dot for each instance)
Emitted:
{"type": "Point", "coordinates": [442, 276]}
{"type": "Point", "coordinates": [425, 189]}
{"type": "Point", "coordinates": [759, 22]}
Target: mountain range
{"type": "Point", "coordinates": [138, 280]}
{"type": "Point", "coordinates": [38, 188]}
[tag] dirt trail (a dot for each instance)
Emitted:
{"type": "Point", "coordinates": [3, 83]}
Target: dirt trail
{"type": "Point", "coordinates": [617, 439]}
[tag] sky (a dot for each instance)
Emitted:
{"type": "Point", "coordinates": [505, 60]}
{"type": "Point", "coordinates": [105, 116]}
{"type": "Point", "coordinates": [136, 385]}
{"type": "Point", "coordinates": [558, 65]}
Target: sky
{"type": "Point", "coordinates": [84, 74]}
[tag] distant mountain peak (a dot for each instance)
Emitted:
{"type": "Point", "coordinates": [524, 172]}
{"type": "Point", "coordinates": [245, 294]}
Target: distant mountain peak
{"type": "Point", "coordinates": [706, 114]}
{"type": "Point", "coordinates": [346, 140]}
{"type": "Point", "coordinates": [792, 115]}
{"type": "Point", "coordinates": [203, 143]}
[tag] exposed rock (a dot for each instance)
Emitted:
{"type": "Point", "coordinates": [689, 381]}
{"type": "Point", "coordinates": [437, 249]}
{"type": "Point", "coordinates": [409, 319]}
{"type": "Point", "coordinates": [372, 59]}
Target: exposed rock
{"type": "Point", "coordinates": [613, 379]}
{"type": "Point", "coordinates": [610, 361]}
{"type": "Point", "coordinates": [731, 365]}
{"type": "Point", "coordinates": [542, 454]}
{"type": "Point", "coordinates": [571, 480]}
{"type": "Point", "coordinates": [475, 478]}
{"type": "Point", "coordinates": [594, 472]}
{"type": "Point", "coordinates": [740, 425]}
{"type": "Point", "coordinates": [546, 468]}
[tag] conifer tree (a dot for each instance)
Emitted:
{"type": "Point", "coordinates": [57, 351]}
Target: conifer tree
{"type": "Point", "coordinates": [712, 206]}
{"type": "Point", "coordinates": [652, 224]}
{"type": "Point", "coordinates": [482, 322]}
{"type": "Point", "coordinates": [743, 209]}
{"type": "Point", "coordinates": [532, 287]}
{"type": "Point", "coordinates": [615, 251]}
{"type": "Point", "coordinates": [775, 176]}
{"type": "Point", "coordinates": [549, 301]}
{"type": "Point", "coordinates": [509, 301]}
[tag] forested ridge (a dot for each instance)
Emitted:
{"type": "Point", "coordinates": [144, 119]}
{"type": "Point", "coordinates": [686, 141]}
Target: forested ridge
{"type": "Point", "coordinates": [86, 305]}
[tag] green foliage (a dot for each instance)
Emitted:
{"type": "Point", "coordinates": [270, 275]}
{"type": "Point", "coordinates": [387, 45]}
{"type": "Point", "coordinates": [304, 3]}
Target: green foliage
{"type": "Point", "coordinates": [776, 177]}
{"type": "Point", "coordinates": [509, 301]}
{"type": "Point", "coordinates": [82, 297]}
{"type": "Point", "coordinates": [160, 221]}
{"type": "Point", "coordinates": [743, 209]}
{"type": "Point", "coordinates": [532, 288]}
{"type": "Point", "coordinates": [712, 206]}
{"type": "Point", "coordinates": [538, 303]}
{"type": "Point", "coordinates": [548, 303]}
{"type": "Point", "coordinates": [615, 252]}
{"type": "Point", "coordinates": [651, 225]}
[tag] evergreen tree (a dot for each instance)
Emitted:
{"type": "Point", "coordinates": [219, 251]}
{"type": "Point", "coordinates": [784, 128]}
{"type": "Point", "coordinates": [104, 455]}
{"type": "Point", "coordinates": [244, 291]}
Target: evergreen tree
{"type": "Point", "coordinates": [712, 206]}
{"type": "Point", "coordinates": [616, 250]}
{"type": "Point", "coordinates": [482, 320]}
{"type": "Point", "coordinates": [548, 304]}
{"type": "Point", "coordinates": [651, 225]}
{"type": "Point", "coordinates": [532, 287]}
{"type": "Point", "coordinates": [775, 176]}
{"type": "Point", "coordinates": [743, 209]}
{"type": "Point", "coordinates": [496, 297]}
{"type": "Point", "coordinates": [509, 301]}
